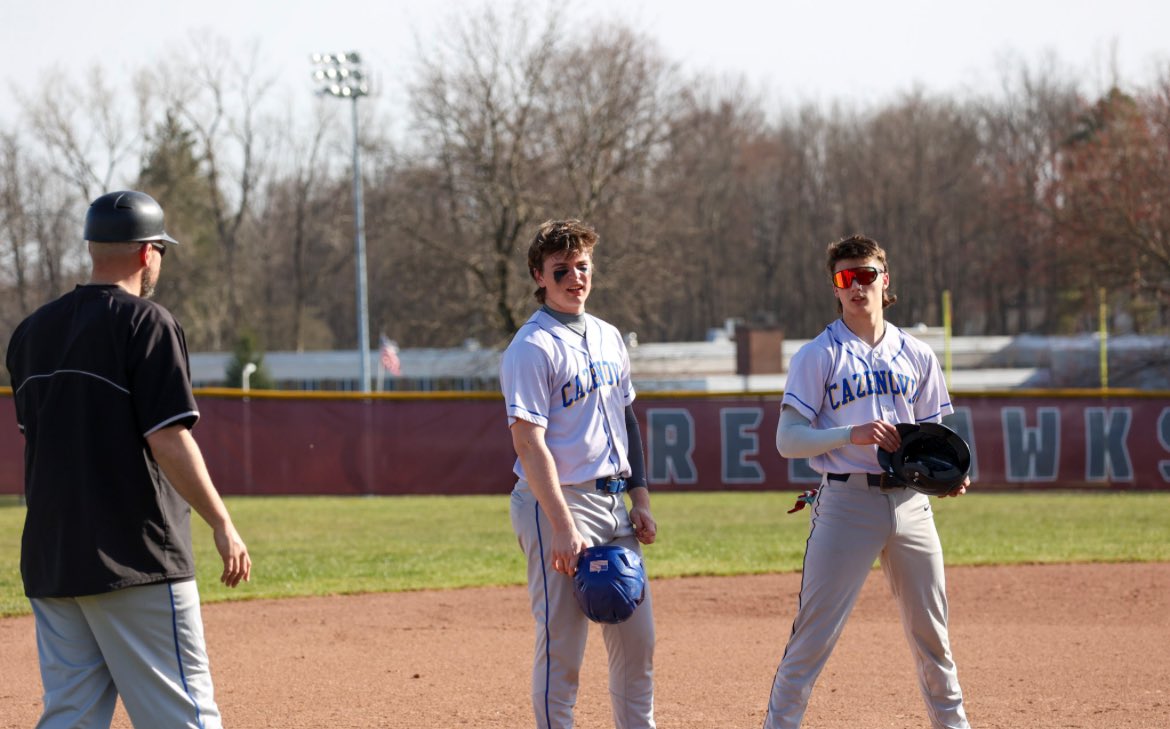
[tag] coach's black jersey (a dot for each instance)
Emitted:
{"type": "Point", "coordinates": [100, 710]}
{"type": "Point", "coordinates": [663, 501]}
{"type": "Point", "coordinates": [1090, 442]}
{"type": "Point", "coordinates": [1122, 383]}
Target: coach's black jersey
{"type": "Point", "coordinates": [94, 373]}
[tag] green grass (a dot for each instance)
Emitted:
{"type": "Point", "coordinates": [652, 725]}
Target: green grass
{"type": "Point", "coordinates": [335, 545]}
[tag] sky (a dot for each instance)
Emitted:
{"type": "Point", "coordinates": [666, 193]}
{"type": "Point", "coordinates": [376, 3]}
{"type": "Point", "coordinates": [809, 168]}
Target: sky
{"type": "Point", "coordinates": [808, 51]}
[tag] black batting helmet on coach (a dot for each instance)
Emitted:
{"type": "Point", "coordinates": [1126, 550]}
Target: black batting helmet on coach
{"type": "Point", "coordinates": [126, 216]}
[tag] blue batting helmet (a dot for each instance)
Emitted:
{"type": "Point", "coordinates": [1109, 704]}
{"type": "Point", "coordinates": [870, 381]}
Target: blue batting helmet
{"type": "Point", "coordinates": [610, 583]}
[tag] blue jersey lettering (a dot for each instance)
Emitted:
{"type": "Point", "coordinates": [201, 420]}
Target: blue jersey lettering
{"type": "Point", "coordinates": [857, 385]}
{"type": "Point", "coordinates": [597, 375]}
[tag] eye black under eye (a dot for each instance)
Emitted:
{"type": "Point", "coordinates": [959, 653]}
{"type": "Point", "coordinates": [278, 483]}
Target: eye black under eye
{"type": "Point", "coordinates": [558, 275]}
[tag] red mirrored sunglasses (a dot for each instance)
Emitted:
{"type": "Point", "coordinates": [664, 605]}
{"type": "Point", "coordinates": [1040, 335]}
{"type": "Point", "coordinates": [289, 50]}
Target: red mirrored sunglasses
{"type": "Point", "coordinates": [864, 275]}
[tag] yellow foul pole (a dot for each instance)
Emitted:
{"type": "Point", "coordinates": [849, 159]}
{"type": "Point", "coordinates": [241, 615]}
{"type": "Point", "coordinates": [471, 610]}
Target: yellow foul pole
{"type": "Point", "coordinates": [1103, 316]}
{"type": "Point", "coordinates": [947, 335]}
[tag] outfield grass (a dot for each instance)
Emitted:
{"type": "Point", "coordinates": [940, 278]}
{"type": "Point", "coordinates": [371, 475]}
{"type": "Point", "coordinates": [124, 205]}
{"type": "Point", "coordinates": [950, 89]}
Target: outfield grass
{"type": "Point", "coordinates": [335, 545]}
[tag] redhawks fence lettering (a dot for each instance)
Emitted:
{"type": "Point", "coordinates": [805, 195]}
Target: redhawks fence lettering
{"type": "Point", "coordinates": [1063, 444]}
{"type": "Point", "coordinates": [298, 443]}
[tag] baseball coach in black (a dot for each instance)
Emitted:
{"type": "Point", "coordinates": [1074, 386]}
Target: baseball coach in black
{"type": "Point", "coordinates": [102, 389]}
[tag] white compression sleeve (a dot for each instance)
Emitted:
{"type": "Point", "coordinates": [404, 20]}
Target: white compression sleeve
{"type": "Point", "coordinates": [796, 438]}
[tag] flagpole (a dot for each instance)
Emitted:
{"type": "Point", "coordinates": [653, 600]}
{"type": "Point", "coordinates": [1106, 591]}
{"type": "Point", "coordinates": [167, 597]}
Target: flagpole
{"type": "Point", "coordinates": [381, 366]}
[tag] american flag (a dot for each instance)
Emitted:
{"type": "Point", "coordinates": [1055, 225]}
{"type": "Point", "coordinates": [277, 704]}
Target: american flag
{"type": "Point", "coordinates": [390, 361]}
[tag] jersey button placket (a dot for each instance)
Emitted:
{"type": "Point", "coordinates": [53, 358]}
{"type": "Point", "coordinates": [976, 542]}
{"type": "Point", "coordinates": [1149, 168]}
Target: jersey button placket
{"type": "Point", "coordinates": [886, 409]}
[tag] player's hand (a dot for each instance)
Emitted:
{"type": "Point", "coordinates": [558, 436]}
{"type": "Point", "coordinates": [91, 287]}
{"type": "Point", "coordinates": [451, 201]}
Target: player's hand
{"type": "Point", "coordinates": [237, 564]}
{"type": "Point", "coordinates": [566, 548]}
{"type": "Point", "coordinates": [645, 528]}
{"type": "Point", "coordinates": [958, 490]}
{"type": "Point", "coordinates": [878, 432]}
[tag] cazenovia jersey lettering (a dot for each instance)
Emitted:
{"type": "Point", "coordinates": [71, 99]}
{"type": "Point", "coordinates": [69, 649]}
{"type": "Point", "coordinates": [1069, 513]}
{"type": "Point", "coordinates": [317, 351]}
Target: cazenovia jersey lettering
{"type": "Point", "coordinates": [864, 384]}
{"type": "Point", "coordinates": [604, 373]}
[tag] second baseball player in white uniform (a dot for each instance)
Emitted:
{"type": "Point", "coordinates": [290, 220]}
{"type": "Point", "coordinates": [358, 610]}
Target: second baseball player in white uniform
{"type": "Point", "coordinates": [846, 391]}
{"type": "Point", "coordinates": [566, 384]}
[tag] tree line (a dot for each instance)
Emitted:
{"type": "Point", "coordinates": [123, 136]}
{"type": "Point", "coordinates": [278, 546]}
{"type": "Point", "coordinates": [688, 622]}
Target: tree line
{"type": "Point", "coordinates": [1025, 204]}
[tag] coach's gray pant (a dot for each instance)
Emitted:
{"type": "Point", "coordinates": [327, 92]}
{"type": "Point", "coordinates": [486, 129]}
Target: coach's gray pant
{"type": "Point", "coordinates": [143, 643]}
{"type": "Point", "coordinates": [561, 627]}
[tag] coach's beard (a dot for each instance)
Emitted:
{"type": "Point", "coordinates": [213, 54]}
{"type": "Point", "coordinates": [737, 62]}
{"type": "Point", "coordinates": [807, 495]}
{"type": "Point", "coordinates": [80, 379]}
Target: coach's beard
{"type": "Point", "coordinates": [147, 283]}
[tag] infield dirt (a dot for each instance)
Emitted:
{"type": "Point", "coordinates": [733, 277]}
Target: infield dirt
{"type": "Point", "coordinates": [1041, 647]}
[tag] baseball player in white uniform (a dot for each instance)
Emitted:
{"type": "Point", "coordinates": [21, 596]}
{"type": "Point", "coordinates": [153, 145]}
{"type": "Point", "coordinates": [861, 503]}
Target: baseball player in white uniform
{"type": "Point", "coordinates": [846, 391]}
{"type": "Point", "coordinates": [566, 384]}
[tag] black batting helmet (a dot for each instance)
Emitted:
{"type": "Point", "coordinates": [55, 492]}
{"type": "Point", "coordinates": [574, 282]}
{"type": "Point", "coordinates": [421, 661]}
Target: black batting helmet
{"type": "Point", "coordinates": [126, 216]}
{"type": "Point", "coordinates": [932, 459]}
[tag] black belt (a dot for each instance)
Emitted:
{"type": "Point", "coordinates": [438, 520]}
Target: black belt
{"type": "Point", "coordinates": [873, 479]}
{"type": "Point", "coordinates": [611, 484]}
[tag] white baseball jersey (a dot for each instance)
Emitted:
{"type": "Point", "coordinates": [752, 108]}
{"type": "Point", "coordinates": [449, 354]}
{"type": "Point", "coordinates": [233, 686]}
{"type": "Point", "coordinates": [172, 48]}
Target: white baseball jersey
{"type": "Point", "coordinates": [577, 389]}
{"type": "Point", "coordinates": [837, 380]}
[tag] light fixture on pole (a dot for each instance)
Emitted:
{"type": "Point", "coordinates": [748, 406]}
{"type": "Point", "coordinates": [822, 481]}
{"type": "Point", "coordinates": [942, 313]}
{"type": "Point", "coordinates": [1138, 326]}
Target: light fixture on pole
{"type": "Point", "coordinates": [340, 75]}
{"type": "Point", "coordinates": [246, 376]}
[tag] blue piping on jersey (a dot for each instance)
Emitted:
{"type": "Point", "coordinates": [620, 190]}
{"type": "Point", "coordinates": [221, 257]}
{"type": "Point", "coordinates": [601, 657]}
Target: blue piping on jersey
{"type": "Point", "coordinates": [597, 379]}
{"type": "Point", "coordinates": [900, 349]}
{"type": "Point", "coordinates": [179, 655]}
{"type": "Point", "coordinates": [569, 343]}
{"type": "Point", "coordinates": [938, 415]}
{"type": "Point", "coordinates": [876, 382]}
{"type": "Point", "coordinates": [801, 402]}
{"type": "Point", "coordinates": [547, 636]}
{"type": "Point", "coordinates": [614, 460]}
{"type": "Point", "coordinates": [839, 343]}
{"type": "Point", "coordinates": [548, 330]}
{"type": "Point", "coordinates": [542, 416]}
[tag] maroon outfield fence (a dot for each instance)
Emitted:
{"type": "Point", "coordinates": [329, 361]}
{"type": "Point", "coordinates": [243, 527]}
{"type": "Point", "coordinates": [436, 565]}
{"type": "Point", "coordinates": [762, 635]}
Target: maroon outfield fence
{"type": "Point", "coordinates": [458, 443]}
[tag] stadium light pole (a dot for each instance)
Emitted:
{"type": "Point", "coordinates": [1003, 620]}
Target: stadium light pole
{"type": "Point", "coordinates": [340, 75]}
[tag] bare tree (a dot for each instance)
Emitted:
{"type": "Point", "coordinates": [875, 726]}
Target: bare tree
{"type": "Point", "coordinates": [301, 242]}
{"type": "Point", "coordinates": [82, 128]}
{"type": "Point", "coordinates": [476, 103]}
{"type": "Point", "coordinates": [1022, 131]}
{"type": "Point", "coordinates": [609, 104]}
{"type": "Point", "coordinates": [15, 223]}
{"type": "Point", "coordinates": [522, 122]}
{"type": "Point", "coordinates": [1113, 208]}
{"type": "Point", "coordinates": [39, 220]}
{"type": "Point", "coordinates": [792, 213]}
{"type": "Point", "coordinates": [218, 96]}
{"type": "Point", "coordinates": [701, 254]}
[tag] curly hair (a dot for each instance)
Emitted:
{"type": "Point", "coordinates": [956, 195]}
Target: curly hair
{"type": "Point", "coordinates": [559, 236]}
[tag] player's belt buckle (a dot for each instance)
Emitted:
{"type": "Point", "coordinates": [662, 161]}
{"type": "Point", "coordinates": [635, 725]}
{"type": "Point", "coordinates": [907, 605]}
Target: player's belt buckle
{"type": "Point", "coordinates": [611, 484]}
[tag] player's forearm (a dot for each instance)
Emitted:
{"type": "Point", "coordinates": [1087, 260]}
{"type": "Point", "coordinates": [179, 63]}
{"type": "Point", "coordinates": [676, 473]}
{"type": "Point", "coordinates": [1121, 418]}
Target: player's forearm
{"type": "Point", "coordinates": [181, 460]}
{"type": "Point", "coordinates": [796, 438]}
{"type": "Point", "coordinates": [639, 497]}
